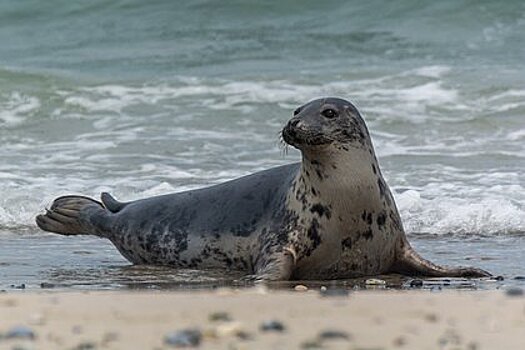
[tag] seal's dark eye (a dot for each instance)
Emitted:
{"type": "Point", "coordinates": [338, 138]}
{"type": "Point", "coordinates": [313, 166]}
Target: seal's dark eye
{"type": "Point", "coordinates": [296, 111]}
{"type": "Point", "coordinates": [329, 113]}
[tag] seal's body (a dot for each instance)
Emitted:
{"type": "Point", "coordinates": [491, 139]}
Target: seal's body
{"type": "Point", "coordinates": [330, 216]}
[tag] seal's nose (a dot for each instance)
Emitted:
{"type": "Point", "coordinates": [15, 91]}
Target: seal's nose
{"type": "Point", "coordinates": [296, 124]}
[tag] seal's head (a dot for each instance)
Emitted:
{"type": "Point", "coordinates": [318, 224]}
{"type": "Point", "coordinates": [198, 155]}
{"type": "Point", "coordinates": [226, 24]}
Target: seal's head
{"type": "Point", "coordinates": [325, 122]}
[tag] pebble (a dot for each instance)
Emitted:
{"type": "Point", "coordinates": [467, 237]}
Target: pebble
{"type": "Point", "coordinates": [399, 341]}
{"type": "Point", "coordinates": [514, 292]}
{"type": "Point", "coordinates": [184, 338]}
{"type": "Point", "coordinates": [109, 337]}
{"type": "Point", "coordinates": [47, 285]}
{"type": "Point", "coordinates": [375, 282]}
{"type": "Point", "coordinates": [519, 278]}
{"type": "Point", "coordinates": [272, 326]}
{"type": "Point", "coordinates": [335, 292]}
{"type": "Point", "coordinates": [18, 286]}
{"type": "Point", "coordinates": [301, 288]}
{"type": "Point", "coordinates": [498, 278]}
{"type": "Point", "coordinates": [85, 346]}
{"type": "Point", "coordinates": [416, 283]}
{"type": "Point", "coordinates": [219, 316]}
{"type": "Point", "coordinates": [334, 335]}
{"type": "Point", "coordinates": [228, 329]}
{"type": "Point", "coordinates": [76, 329]}
{"type": "Point", "coordinates": [323, 289]}
{"type": "Point", "coordinates": [20, 332]}
{"type": "Point", "coordinates": [312, 344]}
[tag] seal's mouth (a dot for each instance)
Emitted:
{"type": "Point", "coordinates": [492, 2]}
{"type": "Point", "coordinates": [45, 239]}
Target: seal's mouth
{"type": "Point", "coordinates": [296, 135]}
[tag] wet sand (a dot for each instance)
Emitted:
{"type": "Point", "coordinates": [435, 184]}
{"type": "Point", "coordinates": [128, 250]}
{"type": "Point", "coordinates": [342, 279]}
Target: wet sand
{"type": "Point", "coordinates": [232, 319]}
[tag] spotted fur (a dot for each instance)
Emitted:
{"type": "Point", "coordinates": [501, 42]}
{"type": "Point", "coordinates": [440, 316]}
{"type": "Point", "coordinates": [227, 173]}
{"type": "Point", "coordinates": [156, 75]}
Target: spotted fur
{"type": "Point", "coordinates": [330, 216]}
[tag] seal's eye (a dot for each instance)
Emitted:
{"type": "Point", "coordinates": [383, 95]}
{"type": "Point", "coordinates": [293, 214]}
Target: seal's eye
{"type": "Point", "coordinates": [329, 113]}
{"type": "Point", "coordinates": [296, 111]}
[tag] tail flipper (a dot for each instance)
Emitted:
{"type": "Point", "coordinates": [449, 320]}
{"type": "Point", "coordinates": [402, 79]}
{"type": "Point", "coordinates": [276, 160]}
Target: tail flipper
{"type": "Point", "coordinates": [73, 215]}
{"type": "Point", "coordinates": [412, 264]}
{"type": "Point", "coordinates": [111, 203]}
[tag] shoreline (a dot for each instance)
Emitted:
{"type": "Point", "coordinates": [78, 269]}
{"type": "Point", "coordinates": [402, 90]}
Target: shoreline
{"type": "Point", "coordinates": [232, 319]}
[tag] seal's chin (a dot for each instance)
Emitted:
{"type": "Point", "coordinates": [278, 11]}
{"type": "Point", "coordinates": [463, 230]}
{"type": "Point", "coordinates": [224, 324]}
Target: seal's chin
{"type": "Point", "coordinates": [300, 138]}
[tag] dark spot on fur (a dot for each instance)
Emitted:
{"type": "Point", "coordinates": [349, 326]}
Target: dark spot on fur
{"type": "Point", "coordinates": [374, 169]}
{"type": "Point", "coordinates": [319, 174]}
{"type": "Point", "coordinates": [346, 243]}
{"type": "Point", "coordinates": [369, 219]}
{"type": "Point", "coordinates": [381, 219]}
{"type": "Point", "coordinates": [321, 210]}
{"type": "Point", "coordinates": [313, 235]}
{"type": "Point", "coordinates": [368, 234]}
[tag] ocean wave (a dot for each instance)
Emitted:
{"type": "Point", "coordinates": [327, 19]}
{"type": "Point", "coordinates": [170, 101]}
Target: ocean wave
{"type": "Point", "coordinates": [460, 216]}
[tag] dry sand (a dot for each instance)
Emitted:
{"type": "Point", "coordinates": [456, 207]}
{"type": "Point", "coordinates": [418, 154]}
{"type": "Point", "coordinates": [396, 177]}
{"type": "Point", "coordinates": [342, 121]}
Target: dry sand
{"type": "Point", "coordinates": [360, 320]}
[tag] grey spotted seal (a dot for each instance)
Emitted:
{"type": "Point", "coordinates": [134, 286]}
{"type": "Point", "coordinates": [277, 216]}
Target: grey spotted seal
{"type": "Point", "coordinates": [331, 216]}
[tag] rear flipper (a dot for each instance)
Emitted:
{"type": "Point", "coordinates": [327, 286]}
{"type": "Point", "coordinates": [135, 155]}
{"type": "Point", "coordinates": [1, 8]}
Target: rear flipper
{"type": "Point", "coordinates": [74, 215]}
{"type": "Point", "coordinates": [412, 264]}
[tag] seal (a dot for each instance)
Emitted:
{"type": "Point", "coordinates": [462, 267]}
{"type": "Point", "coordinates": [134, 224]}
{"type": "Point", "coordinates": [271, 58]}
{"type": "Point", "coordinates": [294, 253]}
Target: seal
{"type": "Point", "coordinates": [331, 216]}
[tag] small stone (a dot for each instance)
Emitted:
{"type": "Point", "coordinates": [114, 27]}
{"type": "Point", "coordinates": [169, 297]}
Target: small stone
{"type": "Point", "coordinates": [431, 318]}
{"type": "Point", "coordinates": [514, 292]}
{"type": "Point", "coordinates": [399, 341]}
{"type": "Point", "coordinates": [109, 337]}
{"type": "Point", "coordinates": [323, 289]}
{"type": "Point", "coordinates": [20, 332]}
{"type": "Point", "coordinates": [519, 278]}
{"type": "Point", "coordinates": [18, 286]}
{"type": "Point", "coordinates": [85, 346]}
{"type": "Point", "coordinates": [242, 335]}
{"type": "Point", "coordinates": [219, 316]}
{"type": "Point", "coordinates": [334, 335]}
{"type": "Point", "coordinates": [375, 282]}
{"type": "Point", "coordinates": [228, 329]}
{"type": "Point", "coordinates": [47, 285]}
{"type": "Point", "coordinates": [301, 288]}
{"type": "Point", "coordinates": [416, 283]}
{"type": "Point", "coordinates": [335, 292]}
{"type": "Point", "coordinates": [184, 338]}
{"type": "Point", "coordinates": [76, 329]}
{"type": "Point", "coordinates": [498, 278]}
{"type": "Point", "coordinates": [272, 326]}
{"type": "Point", "coordinates": [311, 345]}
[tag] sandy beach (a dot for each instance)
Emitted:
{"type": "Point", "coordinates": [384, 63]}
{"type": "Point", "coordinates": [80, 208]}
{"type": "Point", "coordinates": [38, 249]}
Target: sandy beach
{"type": "Point", "coordinates": [234, 319]}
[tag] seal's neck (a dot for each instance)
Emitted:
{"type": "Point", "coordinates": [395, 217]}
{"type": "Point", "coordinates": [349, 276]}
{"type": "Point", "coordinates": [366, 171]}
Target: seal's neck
{"type": "Point", "coordinates": [339, 168]}
{"type": "Point", "coordinates": [339, 178]}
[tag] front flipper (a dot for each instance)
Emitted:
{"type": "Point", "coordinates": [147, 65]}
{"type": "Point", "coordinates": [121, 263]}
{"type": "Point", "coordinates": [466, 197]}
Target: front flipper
{"type": "Point", "coordinates": [411, 263]}
{"type": "Point", "coordinates": [277, 267]}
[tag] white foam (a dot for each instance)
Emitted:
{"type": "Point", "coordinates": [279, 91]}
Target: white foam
{"type": "Point", "coordinates": [189, 132]}
{"type": "Point", "coordinates": [16, 107]}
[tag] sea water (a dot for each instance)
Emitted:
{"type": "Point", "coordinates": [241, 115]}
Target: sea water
{"type": "Point", "coordinates": [141, 98]}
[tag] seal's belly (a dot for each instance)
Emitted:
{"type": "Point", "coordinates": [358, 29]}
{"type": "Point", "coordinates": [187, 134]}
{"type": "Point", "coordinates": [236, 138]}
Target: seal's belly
{"type": "Point", "coordinates": [349, 257]}
{"type": "Point", "coordinates": [183, 249]}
